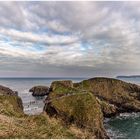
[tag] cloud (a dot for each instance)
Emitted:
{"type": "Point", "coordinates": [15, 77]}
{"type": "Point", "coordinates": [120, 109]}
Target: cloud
{"type": "Point", "coordinates": [41, 38]}
{"type": "Point", "coordinates": [99, 37]}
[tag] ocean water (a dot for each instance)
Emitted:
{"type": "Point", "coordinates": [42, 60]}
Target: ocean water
{"type": "Point", "coordinates": [126, 125]}
{"type": "Point", "coordinates": [32, 105]}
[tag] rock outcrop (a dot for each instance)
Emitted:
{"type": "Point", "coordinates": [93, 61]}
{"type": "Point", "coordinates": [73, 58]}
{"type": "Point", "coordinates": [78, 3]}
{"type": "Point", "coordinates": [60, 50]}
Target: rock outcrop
{"type": "Point", "coordinates": [8, 97]}
{"type": "Point", "coordinates": [59, 84]}
{"type": "Point", "coordinates": [87, 102]}
{"type": "Point", "coordinates": [7, 91]}
{"type": "Point", "coordinates": [39, 90]}
{"type": "Point", "coordinates": [124, 96]}
{"type": "Point", "coordinates": [74, 106]}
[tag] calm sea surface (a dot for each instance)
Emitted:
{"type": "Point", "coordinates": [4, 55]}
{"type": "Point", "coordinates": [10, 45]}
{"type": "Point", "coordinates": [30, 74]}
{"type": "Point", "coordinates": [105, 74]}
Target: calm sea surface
{"type": "Point", "coordinates": [124, 126]}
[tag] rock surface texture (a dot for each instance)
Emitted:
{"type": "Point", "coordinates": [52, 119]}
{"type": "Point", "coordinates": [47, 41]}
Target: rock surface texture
{"type": "Point", "coordinates": [39, 90]}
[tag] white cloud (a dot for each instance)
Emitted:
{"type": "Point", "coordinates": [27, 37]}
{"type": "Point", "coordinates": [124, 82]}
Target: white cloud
{"type": "Point", "coordinates": [97, 35]}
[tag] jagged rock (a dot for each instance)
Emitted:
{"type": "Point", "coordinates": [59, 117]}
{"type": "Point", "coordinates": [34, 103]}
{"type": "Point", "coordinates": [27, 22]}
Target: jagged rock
{"type": "Point", "coordinates": [108, 109]}
{"type": "Point", "coordinates": [39, 90]}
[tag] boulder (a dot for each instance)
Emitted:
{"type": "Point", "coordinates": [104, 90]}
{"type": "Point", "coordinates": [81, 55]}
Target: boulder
{"type": "Point", "coordinates": [39, 90]}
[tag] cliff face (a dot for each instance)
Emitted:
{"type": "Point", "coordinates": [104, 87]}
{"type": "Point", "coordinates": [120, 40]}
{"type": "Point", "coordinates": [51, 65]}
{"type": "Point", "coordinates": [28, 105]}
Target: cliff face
{"type": "Point", "coordinates": [77, 107]}
{"type": "Point", "coordinates": [10, 103]}
{"type": "Point", "coordinates": [85, 103]}
{"type": "Point", "coordinates": [82, 110]}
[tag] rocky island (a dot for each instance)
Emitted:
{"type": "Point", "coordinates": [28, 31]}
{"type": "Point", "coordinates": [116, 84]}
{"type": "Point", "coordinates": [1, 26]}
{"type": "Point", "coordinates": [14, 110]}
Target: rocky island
{"type": "Point", "coordinates": [39, 90]}
{"type": "Point", "coordinates": [71, 110]}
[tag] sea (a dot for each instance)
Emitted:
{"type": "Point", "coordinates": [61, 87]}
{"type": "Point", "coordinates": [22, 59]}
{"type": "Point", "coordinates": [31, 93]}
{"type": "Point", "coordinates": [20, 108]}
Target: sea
{"type": "Point", "coordinates": [124, 126]}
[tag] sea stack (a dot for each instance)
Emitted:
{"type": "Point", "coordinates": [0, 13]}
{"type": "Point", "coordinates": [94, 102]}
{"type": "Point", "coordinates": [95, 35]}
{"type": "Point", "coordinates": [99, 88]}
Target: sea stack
{"type": "Point", "coordinates": [39, 90]}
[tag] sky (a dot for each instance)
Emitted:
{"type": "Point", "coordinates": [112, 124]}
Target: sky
{"type": "Point", "coordinates": [69, 39]}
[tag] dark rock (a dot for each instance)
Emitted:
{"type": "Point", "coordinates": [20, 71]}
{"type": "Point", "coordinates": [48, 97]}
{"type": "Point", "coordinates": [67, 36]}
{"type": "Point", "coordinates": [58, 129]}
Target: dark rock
{"type": "Point", "coordinates": [39, 90]}
{"type": "Point", "coordinates": [7, 91]}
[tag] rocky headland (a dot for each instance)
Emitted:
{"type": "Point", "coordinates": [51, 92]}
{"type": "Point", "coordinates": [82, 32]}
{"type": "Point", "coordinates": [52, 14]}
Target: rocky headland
{"type": "Point", "coordinates": [71, 110]}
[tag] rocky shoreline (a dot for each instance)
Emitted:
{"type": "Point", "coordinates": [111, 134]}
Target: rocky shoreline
{"type": "Point", "coordinates": [83, 105]}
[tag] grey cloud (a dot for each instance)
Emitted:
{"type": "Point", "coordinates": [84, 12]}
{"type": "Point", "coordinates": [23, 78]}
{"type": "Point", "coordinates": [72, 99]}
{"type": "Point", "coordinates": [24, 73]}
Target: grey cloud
{"type": "Point", "coordinates": [111, 29]}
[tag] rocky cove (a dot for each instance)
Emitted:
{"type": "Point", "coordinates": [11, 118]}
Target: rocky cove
{"type": "Point", "coordinates": [71, 110]}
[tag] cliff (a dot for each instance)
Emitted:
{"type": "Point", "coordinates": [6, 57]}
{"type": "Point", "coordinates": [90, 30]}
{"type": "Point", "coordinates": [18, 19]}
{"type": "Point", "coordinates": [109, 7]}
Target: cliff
{"type": "Point", "coordinates": [77, 107]}
{"type": "Point", "coordinates": [124, 96]}
{"type": "Point", "coordinates": [15, 124]}
{"type": "Point", "coordinates": [86, 103]}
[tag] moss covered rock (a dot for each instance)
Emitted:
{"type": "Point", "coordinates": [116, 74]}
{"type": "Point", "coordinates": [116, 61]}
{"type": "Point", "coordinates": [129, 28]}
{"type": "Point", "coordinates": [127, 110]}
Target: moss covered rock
{"type": "Point", "coordinates": [74, 106]}
{"type": "Point", "coordinates": [123, 95]}
{"type": "Point", "coordinates": [59, 84]}
{"type": "Point", "coordinates": [15, 124]}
